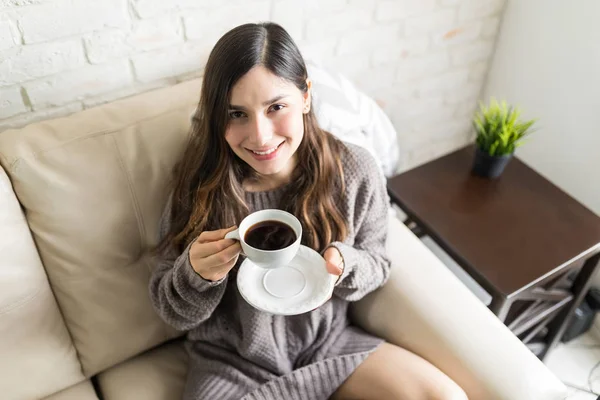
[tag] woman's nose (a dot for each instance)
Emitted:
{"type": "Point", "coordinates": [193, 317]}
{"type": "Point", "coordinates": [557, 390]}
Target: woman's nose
{"type": "Point", "coordinates": [261, 131]}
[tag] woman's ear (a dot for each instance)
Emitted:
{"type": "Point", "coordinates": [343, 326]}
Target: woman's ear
{"type": "Point", "coordinates": [307, 96]}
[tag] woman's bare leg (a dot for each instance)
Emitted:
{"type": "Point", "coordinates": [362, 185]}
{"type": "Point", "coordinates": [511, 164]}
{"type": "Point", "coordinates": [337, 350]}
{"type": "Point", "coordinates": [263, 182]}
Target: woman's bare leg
{"type": "Point", "coordinates": [392, 372]}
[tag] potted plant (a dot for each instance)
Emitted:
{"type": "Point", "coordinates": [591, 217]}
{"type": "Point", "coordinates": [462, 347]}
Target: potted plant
{"type": "Point", "coordinates": [499, 133]}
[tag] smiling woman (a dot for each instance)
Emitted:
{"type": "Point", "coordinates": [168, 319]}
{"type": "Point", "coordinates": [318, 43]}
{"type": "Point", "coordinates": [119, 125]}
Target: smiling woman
{"type": "Point", "coordinates": [253, 123]}
{"type": "Point", "coordinates": [267, 125]}
{"type": "Point", "coordinates": [255, 144]}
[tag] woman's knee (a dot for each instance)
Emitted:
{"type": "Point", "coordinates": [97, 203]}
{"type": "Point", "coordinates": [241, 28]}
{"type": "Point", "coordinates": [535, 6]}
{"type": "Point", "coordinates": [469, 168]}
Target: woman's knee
{"type": "Point", "coordinates": [450, 391]}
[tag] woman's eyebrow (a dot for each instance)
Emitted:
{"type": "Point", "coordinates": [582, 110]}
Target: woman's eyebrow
{"type": "Point", "coordinates": [266, 103]}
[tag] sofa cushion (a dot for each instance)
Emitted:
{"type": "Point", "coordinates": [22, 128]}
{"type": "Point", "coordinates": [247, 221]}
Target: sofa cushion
{"type": "Point", "coordinates": [158, 374]}
{"type": "Point", "coordinates": [93, 187]}
{"type": "Point", "coordinates": [35, 345]}
{"type": "Point", "coordinates": [82, 391]}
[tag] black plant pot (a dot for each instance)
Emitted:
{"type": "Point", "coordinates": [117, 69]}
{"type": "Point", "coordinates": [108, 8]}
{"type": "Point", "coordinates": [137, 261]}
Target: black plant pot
{"type": "Point", "coordinates": [489, 166]}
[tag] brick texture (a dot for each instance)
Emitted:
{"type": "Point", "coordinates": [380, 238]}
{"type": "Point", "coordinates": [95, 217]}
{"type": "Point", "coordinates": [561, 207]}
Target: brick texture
{"type": "Point", "coordinates": [23, 63]}
{"type": "Point", "coordinates": [11, 102]}
{"type": "Point", "coordinates": [393, 10]}
{"type": "Point", "coordinates": [209, 25]}
{"type": "Point", "coordinates": [423, 61]}
{"type": "Point", "coordinates": [8, 36]}
{"type": "Point", "coordinates": [63, 18]}
{"type": "Point", "coordinates": [75, 85]}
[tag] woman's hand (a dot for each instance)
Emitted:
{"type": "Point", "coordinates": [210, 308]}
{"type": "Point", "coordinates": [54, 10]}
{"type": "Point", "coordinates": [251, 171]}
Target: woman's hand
{"type": "Point", "coordinates": [212, 256]}
{"type": "Point", "coordinates": [334, 261]}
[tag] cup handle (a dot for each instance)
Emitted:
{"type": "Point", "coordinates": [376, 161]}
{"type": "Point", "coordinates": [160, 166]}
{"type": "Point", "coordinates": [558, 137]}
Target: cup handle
{"type": "Point", "coordinates": [235, 235]}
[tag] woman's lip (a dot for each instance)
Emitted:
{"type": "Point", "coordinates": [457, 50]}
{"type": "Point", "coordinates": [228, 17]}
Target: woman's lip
{"type": "Point", "coordinates": [265, 149]}
{"type": "Point", "coordinates": [264, 157]}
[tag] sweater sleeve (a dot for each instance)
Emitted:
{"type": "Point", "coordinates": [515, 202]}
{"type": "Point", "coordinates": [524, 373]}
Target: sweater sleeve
{"type": "Point", "coordinates": [366, 265]}
{"type": "Point", "coordinates": [181, 297]}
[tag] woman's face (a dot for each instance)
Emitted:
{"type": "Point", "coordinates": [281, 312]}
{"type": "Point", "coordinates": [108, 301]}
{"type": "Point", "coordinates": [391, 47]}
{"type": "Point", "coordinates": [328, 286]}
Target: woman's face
{"type": "Point", "coordinates": [265, 122]}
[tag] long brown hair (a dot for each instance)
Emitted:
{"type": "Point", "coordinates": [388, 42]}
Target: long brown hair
{"type": "Point", "coordinates": [208, 193]}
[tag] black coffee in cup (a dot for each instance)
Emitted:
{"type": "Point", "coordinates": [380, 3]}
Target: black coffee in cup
{"type": "Point", "coordinates": [270, 235]}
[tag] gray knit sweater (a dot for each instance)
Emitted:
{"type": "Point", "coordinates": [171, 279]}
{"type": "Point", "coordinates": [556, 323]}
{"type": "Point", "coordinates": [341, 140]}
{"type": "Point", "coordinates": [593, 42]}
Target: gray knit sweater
{"type": "Point", "coordinates": [237, 351]}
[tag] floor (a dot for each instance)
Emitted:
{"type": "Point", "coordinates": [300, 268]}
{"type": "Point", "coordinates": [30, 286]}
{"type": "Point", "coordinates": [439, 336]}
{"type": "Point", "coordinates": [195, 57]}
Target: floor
{"type": "Point", "coordinates": [576, 363]}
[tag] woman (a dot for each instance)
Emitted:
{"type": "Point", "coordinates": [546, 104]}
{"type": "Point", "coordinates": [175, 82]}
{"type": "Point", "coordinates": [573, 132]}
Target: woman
{"type": "Point", "coordinates": [255, 144]}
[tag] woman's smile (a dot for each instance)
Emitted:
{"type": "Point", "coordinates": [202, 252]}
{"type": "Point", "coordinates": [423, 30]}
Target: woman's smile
{"type": "Point", "coordinates": [266, 153]}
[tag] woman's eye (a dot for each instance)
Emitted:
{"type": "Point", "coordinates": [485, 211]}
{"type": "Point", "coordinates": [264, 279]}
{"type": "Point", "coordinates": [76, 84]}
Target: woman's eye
{"type": "Point", "coordinates": [276, 107]}
{"type": "Point", "coordinates": [236, 114]}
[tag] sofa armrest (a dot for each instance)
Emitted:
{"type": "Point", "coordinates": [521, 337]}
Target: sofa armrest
{"type": "Point", "coordinates": [427, 310]}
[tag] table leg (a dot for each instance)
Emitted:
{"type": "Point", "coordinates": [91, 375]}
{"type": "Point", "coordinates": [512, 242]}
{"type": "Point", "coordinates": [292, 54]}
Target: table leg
{"type": "Point", "coordinates": [500, 306]}
{"type": "Point", "coordinates": [414, 227]}
{"type": "Point", "coordinates": [557, 328]}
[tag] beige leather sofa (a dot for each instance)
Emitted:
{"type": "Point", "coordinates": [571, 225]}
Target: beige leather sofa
{"type": "Point", "coordinates": [80, 199]}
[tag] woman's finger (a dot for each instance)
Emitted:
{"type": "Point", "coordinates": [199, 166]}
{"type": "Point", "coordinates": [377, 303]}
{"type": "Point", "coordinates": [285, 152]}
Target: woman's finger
{"type": "Point", "coordinates": [220, 271]}
{"type": "Point", "coordinates": [224, 256]}
{"type": "Point", "coordinates": [224, 268]}
{"type": "Point", "coordinates": [207, 249]}
{"type": "Point", "coordinates": [211, 236]}
{"type": "Point", "coordinates": [333, 269]}
{"type": "Point", "coordinates": [334, 261]}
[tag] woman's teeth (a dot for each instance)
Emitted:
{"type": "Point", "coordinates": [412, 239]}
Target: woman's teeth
{"type": "Point", "coordinates": [264, 153]}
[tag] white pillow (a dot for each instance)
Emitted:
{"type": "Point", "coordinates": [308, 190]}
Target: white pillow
{"type": "Point", "coordinates": [353, 116]}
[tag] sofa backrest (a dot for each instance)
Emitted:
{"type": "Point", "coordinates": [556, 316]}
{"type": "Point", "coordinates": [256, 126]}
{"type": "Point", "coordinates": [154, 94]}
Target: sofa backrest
{"type": "Point", "coordinates": [37, 357]}
{"type": "Point", "coordinates": [93, 187]}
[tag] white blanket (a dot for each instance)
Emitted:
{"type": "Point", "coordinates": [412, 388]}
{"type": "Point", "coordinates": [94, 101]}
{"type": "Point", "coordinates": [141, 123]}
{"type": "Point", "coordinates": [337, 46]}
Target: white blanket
{"type": "Point", "coordinates": [353, 116]}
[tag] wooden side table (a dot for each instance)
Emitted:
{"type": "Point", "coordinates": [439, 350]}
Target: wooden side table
{"type": "Point", "coordinates": [529, 244]}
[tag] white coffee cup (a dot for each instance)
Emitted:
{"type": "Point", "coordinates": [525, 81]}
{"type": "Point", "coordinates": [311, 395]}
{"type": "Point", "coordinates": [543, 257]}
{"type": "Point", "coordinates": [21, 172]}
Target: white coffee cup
{"type": "Point", "coordinates": [268, 258]}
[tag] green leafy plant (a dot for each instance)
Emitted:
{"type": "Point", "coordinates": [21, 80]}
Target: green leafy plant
{"type": "Point", "coordinates": [499, 131]}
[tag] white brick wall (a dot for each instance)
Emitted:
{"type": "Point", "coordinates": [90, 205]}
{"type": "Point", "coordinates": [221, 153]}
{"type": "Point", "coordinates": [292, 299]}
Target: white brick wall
{"type": "Point", "coordinates": [23, 63]}
{"type": "Point", "coordinates": [11, 101]}
{"type": "Point", "coordinates": [338, 21]}
{"type": "Point", "coordinates": [209, 25]}
{"type": "Point", "coordinates": [8, 35]}
{"type": "Point", "coordinates": [424, 61]}
{"type": "Point", "coordinates": [439, 20]}
{"type": "Point", "coordinates": [67, 87]}
{"type": "Point", "coordinates": [62, 18]}
{"type": "Point", "coordinates": [394, 10]}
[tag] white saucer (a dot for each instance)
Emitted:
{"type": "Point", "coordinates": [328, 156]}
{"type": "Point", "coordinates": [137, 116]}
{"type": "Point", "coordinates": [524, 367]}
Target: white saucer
{"type": "Point", "coordinates": [301, 286]}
